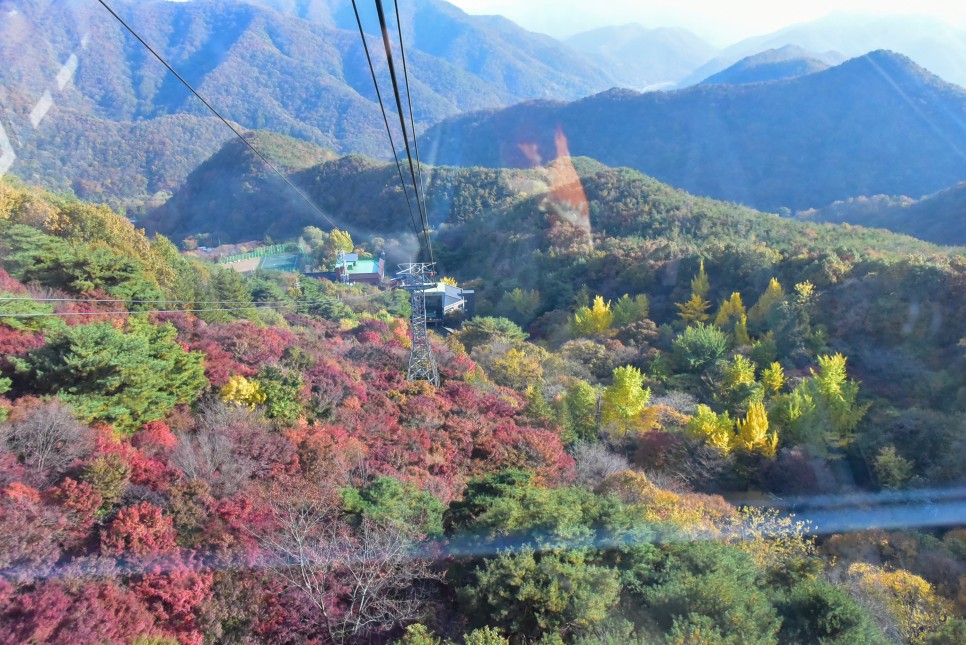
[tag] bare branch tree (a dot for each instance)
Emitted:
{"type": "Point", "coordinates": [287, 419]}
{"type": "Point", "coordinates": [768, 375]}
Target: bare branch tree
{"type": "Point", "coordinates": [595, 463]}
{"type": "Point", "coordinates": [364, 581]}
{"type": "Point", "coordinates": [210, 455]}
{"type": "Point", "coordinates": [215, 414]}
{"type": "Point", "coordinates": [48, 438]}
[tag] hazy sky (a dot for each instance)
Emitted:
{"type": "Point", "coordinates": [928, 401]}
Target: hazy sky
{"type": "Point", "coordinates": [724, 21]}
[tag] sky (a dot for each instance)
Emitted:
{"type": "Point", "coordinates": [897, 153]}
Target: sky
{"type": "Point", "coordinates": [724, 22]}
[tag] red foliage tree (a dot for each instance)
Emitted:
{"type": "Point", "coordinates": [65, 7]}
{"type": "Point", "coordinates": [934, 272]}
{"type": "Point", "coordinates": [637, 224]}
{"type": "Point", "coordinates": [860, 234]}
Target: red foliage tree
{"type": "Point", "coordinates": [219, 364]}
{"type": "Point", "coordinates": [149, 472]}
{"type": "Point", "coordinates": [251, 344]}
{"type": "Point", "coordinates": [174, 589]}
{"type": "Point", "coordinates": [30, 533]}
{"type": "Point", "coordinates": [81, 502]}
{"type": "Point", "coordinates": [10, 285]}
{"type": "Point", "coordinates": [154, 439]}
{"type": "Point", "coordinates": [141, 529]}
{"type": "Point", "coordinates": [15, 342]}
{"type": "Point", "coordinates": [100, 612]}
{"type": "Point", "coordinates": [328, 453]}
{"type": "Point", "coordinates": [92, 308]}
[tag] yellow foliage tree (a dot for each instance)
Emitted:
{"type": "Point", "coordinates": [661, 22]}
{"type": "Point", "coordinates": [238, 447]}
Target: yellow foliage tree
{"type": "Point", "coordinates": [624, 400]}
{"type": "Point", "coordinates": [912, 601]}
{"type": "Point", "coordinates": [740, 371]}
{"type": "Point", "coordinates": [804, 293]}
{"type": "Point", "coordinates": [595, 320]}
{"type": "Point", "coordinates": [753, 435]}
{"type": "Point", "coordinates": [693, 513]}
{"type": "Point", "coordinates": [695, 310]}
{"type": "Point", "coordinates": [717, 430]}
{"type": "Point", "coordinates": [742, 337]}
{"type": "Point", "coordinates": [773, 378]}
{"type": "Point", "coordinates": [241, 391]}
{"type": "Point", "coordinates": [773, 295]}
{"type": "Point", "coordinates": [450, 281]}
{"type": "Point", "coordinates": [731, 309]}
{"type": "Point", "coordinates": [341, 241]}
{"type": "Point", "coordinates": [517, 369]}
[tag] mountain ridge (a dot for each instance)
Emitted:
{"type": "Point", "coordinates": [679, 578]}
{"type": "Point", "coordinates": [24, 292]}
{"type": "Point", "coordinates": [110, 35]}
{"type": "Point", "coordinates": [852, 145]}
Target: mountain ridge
{"type": "Point", "coordinates": [931, 42]}
{"type": "Point", "coordinates": [795, 144]}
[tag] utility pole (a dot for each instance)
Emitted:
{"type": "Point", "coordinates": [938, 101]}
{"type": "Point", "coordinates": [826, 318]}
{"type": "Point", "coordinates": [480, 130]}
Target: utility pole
{"type": "Point", "coordinates": [416, 279]}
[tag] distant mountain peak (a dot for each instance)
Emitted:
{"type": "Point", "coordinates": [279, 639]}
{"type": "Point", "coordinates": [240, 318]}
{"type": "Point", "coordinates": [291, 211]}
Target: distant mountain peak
{"type": "Point", "coordinates": [893, 65]}
{"type": "Point", "coordinates": [789, 61]}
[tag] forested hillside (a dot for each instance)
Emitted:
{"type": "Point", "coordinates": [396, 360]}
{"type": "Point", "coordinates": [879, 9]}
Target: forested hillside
{"type": "Point", "coordinates": [260, 68]}
{"type": "Point", "coordinates": [251, 465]}
{"type": "Point", "coordinates": [939, 218]}
{"type": "Point", "coordinates": [796, 144]}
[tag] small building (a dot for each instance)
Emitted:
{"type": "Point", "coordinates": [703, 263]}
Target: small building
{"type": "Point", "coordinates": [350, 268]}
{"type": "Point", "coordinates": [446, 301]}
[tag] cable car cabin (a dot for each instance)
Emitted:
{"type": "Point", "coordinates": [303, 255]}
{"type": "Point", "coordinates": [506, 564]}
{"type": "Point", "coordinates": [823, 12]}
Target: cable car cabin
{"type": "Point", "coordinates": [445, 302]}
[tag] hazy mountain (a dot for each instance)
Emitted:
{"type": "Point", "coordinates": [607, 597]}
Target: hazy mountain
{"type": "Point", "coordinates": [493, 48]}
{"type": "Point", "coordinates": [640, 57]}
{"type": "Point", "coordinates": [774, 65]}
{"type": "Point", "coordinates": [260, 68]}
{"type": "Point", "coordinates": [939, 218]}
{"type": "Point", "coordinates": [929, 41]}
{"type": "Point", "coordinates": [875, 124]}
{"type": "Point", "coordinates": [123, 163]}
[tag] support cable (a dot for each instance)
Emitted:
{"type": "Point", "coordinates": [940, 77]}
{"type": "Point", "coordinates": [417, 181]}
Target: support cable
{"type": "Point", "coordinates": [412, 122]}
{"type": "Point", "coordinates": [208, 105]}
{"type": "Point", "coordinates": [402, 122]}
{"type": "Point", "coordinates": [382, 107]}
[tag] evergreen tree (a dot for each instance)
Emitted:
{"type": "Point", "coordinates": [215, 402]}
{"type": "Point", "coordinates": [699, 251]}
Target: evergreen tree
{"type": "Point", "coordinates": [105, 374]}
{"type": "Point", "coordinates": [581, 402]}
{"type": "Point", "coordinates": [629, 310]}
{"type": "Point", "coordinates": [700, 285]}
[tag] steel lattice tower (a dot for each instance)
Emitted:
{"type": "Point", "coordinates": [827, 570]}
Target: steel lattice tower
{"type": "Point", "coordinates": [416, 279]}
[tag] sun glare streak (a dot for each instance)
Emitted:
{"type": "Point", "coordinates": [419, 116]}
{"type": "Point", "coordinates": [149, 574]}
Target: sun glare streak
{"type": "Point", "coordinates": [830, 515]}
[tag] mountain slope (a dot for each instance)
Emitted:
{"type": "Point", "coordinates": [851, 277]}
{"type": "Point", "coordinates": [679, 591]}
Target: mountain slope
{"type": "Point", "coordinates": [123, 163]}
{"type": "Point", "coordinates": [773, 65]}
{"type": "Point", "coordinates": [641, 57]}
{"type": "Point", "coordinates": [234, 197]}
{"type": "Point", "coordinates": [939, 218]}
{"type": "Point", "coordinates": [800, 143]}
{"type": "Point", "coordinates": [932, 43]}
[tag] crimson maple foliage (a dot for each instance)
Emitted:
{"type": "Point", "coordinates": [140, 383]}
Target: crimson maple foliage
{"type": "Point", "coordinates": [141, 529]}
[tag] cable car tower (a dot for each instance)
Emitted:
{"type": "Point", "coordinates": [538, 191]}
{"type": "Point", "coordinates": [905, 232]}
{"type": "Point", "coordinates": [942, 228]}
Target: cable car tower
{"type": "Point", "coordinates": [416, 278]}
